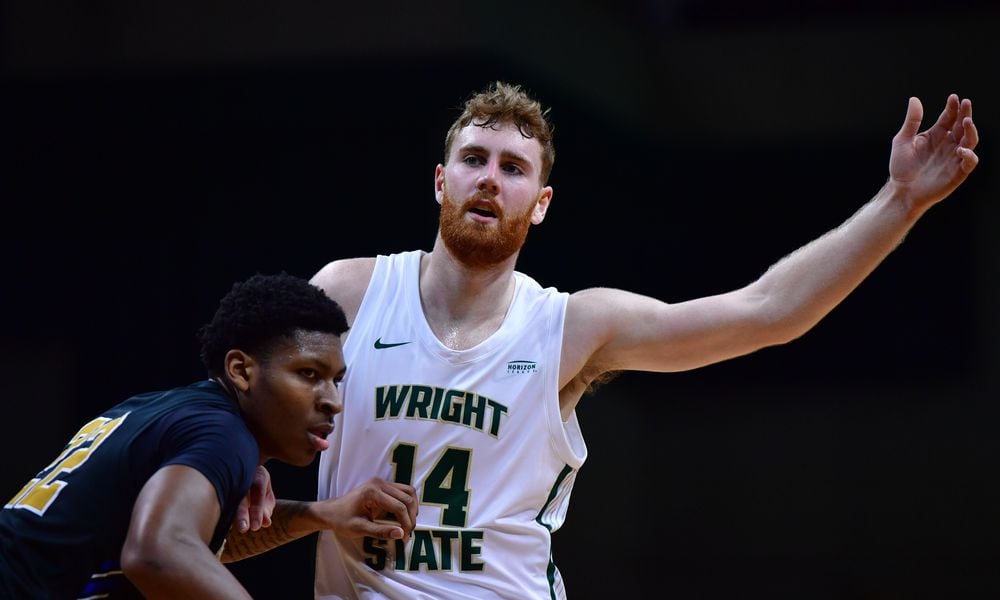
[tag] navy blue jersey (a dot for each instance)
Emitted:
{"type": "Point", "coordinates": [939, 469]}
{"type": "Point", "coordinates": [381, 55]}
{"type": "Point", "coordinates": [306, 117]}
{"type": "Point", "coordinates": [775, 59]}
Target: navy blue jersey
{"type": "Point", "coordinates": [61, 536]}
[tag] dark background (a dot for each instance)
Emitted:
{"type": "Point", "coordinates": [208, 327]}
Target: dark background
{"type": "Point", "coordinates": [153, 155]}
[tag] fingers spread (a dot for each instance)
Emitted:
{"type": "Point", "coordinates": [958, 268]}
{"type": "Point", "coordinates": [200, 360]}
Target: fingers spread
{"type": "Point", "coordinates": [970, 135]}
{"type": "Point", "coordinates": [969, 159]}
{"type": "Point", "coordinates": [966, 108]}
{"type": "Point", "coordinates": [949, 115]}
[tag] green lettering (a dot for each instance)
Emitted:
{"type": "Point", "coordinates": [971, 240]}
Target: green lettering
{"type": "Point", "coordinates": [468, 550]}
{"type": "Point", "coordinates": [400, 555]}
{"type": "Point", "coordinates": [391, 398]}
{"type": "Point", "coordinates": [474, 407]}
{"type": "Point", "coordinates": [452, 409]}
{"type": "Point", "coordinates": [436, 404]}
{"type": "Point", "coordinates": [499, 410]}
{"type": "Point", "coordinates": [447, 536]}
{"type": "Point", "coordinates": [420, 400]}
{"type": "Point", "coordinates": [423, 551]}
{"type": "Point", "coordinates": [374, 553]}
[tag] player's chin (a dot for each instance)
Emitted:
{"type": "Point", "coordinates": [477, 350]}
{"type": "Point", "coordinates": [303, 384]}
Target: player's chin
{"type": "Point", "coordinates": [303, 460]}
{"type": "Point", "coordinates": [299, 455]}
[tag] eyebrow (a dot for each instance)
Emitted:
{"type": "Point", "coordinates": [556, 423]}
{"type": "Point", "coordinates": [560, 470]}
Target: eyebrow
{"type": "Point", "coordinates": [506, 154]}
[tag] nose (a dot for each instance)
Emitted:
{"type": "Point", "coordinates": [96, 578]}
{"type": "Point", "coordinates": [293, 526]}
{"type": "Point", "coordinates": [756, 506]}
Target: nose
{"type": "Point", "coordinates": [329, 401]}
{"type": "Point", "coordinates": [488, 181]}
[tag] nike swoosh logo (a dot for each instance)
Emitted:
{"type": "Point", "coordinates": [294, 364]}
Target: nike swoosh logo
{"type": "Point", "coordinates": [380, 346]}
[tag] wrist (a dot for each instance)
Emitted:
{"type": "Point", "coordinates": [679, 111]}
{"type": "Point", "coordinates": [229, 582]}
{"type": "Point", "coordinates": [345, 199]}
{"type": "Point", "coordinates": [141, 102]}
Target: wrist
{"type": "Point", "coordinates": [297, 517]}
{"type": "Point", "coordinates": [899, 196]}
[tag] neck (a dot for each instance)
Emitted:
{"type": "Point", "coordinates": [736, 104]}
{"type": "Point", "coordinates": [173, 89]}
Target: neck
{"type": "Point", "coordinates": [464, 305]}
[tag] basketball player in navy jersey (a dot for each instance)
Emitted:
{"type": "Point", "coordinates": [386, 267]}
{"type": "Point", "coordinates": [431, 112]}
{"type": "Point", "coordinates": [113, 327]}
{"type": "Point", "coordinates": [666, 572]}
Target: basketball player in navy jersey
{"type": "Point", "coordinates": [140, 501]}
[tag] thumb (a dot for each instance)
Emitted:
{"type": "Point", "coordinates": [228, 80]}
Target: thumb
{"type": "Point", "coordinates": [387, 532]}
{"type": "Point", "coordinates": [914, 116]}
{"type": "Point", "coordinates": [383, 529]}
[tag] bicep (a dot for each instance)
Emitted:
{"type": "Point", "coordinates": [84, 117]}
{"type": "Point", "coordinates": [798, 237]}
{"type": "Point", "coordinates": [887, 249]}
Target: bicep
{"type": "Point", "coordinates": [629, 331]}
{"type": "Point", "coordinates": [167, 554]}
{"type": "Point", "coordinates": [177, 506]}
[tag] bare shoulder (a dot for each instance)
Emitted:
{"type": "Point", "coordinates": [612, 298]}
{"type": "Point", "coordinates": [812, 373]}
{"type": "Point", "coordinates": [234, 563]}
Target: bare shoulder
{"type": "Point", "coordinates": [596, 307]}
{"type": "Point", "coordinates": [588, 327]}
{"type": "Point", "coordinates": [593, 315]}
{"type": "Point", "coordinates": [345, 281]}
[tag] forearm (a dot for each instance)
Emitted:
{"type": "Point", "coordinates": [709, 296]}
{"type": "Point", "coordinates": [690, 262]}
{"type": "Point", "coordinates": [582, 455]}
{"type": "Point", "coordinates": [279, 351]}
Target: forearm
{"type": "Point", "coordinates": [803, 287]}
{"type": "Point", "coordinates": [290, 521]}
{"type": "Point", "coordinates": [353, 515]}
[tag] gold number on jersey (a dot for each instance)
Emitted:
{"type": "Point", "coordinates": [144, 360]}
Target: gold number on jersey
{"type": "Point", "coordinates": [41, 491]}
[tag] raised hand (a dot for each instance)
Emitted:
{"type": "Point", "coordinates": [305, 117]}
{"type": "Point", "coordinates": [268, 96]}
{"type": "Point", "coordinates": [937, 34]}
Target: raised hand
{"type": "Point", "coordinates": [928, 166]}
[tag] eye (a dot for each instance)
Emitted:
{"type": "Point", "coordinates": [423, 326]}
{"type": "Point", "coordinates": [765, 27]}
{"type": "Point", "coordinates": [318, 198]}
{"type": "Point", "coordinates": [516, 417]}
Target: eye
{"type": "Point", "coordinates": [473, 161]}
{"type": "Point", "coordinates": [308, 373]}
{"type": "Point", "coordinates": [513, 169]}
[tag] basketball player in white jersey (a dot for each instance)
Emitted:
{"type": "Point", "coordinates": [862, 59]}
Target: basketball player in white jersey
{"type": "Point", "coordinates": [465, 373]}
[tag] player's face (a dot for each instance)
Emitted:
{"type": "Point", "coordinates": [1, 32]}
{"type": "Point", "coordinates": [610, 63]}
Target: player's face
{"type": "Point", "coordinates": [292, 400]}
{"type": "Point", "coordinates": [490, 193]}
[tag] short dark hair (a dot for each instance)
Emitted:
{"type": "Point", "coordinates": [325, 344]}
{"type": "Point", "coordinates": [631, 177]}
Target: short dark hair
{"type": "Point", "coordinates": [265, 309]}
{"type": "Point", "coordinates": [502, 103]}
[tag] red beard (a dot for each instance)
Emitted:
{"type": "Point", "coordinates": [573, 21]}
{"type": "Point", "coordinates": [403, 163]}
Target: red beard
{"type": "Point", "coordinates": [480, 245]}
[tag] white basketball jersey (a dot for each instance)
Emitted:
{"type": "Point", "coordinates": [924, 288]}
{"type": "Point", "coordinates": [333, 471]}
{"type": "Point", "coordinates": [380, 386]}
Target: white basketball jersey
{"type": "Point", "coordinates": [477, 432]}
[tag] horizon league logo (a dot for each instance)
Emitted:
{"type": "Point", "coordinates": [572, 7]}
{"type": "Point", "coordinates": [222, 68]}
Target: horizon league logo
{"type": "Point", "coordinates": [521, 367]}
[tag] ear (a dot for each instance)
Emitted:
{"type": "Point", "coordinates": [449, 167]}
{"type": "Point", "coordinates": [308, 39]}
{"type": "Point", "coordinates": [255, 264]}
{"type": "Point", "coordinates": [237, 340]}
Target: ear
{"type": "Point", "coordinates": [240, 368]}
{"type": "Point", "coordinates": [542, 206]}
{"type": "Point", "coordinates": [439, 183]}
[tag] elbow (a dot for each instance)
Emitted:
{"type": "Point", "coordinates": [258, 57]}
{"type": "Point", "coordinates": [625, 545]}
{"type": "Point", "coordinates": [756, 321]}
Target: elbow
{"type": "Point", "coordinates": [778, 329]}
{"type": "Point", "coordinates": [778, 323]}
{"type": "Point", "coordinates": [145, 563]}
{"type": "Point", "coordinates": [783, 331]}
{"type": "Point", "coordinates": [785, 335]}
{"type": "Point", "coordinates": [140, 563]}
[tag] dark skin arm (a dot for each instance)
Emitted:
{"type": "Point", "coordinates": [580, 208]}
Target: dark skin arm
{"type": "Point", "coordinates": [166, 553]}
{"type": "Point", "coordinates": [361, 512]}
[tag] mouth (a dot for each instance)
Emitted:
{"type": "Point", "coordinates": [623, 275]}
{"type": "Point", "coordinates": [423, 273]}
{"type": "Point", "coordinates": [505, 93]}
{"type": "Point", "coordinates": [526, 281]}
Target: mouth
{"type": "Point", "coordinates": [318, 435]}
{"type": "Point", "coordinates": [484, 211]}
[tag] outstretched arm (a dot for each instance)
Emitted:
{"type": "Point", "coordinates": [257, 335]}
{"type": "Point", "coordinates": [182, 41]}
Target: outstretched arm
{"type": "Point", "coordinates": [631, 332]}
{"type": "Point", "coordinates": [354, 514]}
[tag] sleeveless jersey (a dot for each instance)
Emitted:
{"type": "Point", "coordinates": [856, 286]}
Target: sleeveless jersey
{"type": "Point", "coordinates": [477, 432]}
{"type": "Point", "coordinates": [61, 536]}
